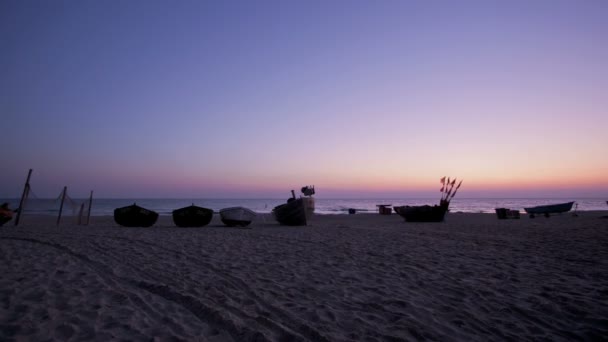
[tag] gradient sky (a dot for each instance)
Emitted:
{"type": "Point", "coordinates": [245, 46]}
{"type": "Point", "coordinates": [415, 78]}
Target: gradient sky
{"type": "Point", "coordinates": [245, 99]}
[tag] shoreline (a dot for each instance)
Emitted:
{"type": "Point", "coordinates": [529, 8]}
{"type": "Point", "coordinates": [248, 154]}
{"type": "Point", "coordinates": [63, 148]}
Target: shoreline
{"type": "Point", "coordinates": [267, 219]}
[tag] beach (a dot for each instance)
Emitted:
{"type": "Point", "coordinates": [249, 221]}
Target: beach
{"type": "Point", "coordinates": [362, 277]}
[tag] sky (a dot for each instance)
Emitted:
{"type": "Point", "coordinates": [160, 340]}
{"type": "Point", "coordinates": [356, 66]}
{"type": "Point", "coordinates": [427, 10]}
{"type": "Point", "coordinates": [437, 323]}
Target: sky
{"type": "Point", "coordinates": [250, 99]}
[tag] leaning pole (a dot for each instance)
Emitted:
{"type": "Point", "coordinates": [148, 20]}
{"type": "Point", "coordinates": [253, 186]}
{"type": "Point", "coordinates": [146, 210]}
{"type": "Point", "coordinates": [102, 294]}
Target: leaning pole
{"type": "Point", "coordinates": [90, 204]}
{"type": "Point", "coordinates": [65, 190]}
{"type": "Point", "coordinates": [26, 189]}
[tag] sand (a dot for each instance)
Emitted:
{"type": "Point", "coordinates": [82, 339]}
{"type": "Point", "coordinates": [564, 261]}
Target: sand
{"type": "Point", "coordinates": [344, 278]}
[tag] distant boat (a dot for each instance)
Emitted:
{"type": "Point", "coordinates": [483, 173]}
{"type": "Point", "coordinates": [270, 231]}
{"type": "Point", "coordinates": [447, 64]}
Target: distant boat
{"type": "Point", "coordinates": [237, 216]}
{"type": "Point", "coordinates": [192, 216]}
{"type": "Point", "coordinates": [135, 216]}
{"type": "Point", "coordinates": [549, 209]}
{"type": "Point", "coordinates": [427, 213]}
{"type": "Point", "coordinates": [423, 213]}
{"type": "Point", "coordinates": [295, 211]}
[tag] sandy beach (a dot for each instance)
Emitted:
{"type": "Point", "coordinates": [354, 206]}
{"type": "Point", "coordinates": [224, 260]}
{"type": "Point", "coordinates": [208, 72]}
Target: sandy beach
{"type": "Point", "coordinates": [343, 278]}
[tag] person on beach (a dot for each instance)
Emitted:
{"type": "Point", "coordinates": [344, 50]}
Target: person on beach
{"type": "Point", "coordinates": [6, 214]}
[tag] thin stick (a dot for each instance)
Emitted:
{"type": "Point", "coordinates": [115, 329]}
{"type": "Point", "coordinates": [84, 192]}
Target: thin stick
{"type": "Point", "coordinates": [65, 190]}
{"type": "Point", "coordinates": [26, 190]}
{"type": "Point", "coordinates": [80, 213]}
{"type": "Point", "coordinates": [90, 204]}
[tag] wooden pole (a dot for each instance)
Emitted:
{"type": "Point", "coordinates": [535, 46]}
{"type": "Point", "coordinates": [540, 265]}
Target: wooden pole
{"type": "Point", "coordinates": [80, 213]}
{"type": "Point", "coordinates": [65, 190]}
{"type": "Point", "coordinates": [26, 190]}
{"type": "Point", "coordinates": [90, 204]}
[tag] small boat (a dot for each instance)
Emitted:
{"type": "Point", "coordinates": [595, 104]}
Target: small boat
{"type": "Point", "coordinates": [423, 213]}
{"type": "Point", "coordinates": [192, 216]}
{"type": "Point", "coordinates": [135, 216]}
{"type": "Point", "coordinates": [549, 209]}
{"type": "Point", "coordinates": [237, 216]}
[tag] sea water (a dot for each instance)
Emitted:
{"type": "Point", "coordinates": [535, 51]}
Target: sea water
{"type": "Point", "coordinates": [165, 206]}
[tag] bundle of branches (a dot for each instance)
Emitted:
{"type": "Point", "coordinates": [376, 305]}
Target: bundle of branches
{"type": "Point", "coordinates": [448, 191]}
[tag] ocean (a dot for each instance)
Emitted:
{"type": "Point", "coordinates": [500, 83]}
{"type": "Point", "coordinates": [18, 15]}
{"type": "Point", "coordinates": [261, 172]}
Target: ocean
{"type": "Point", "coordinates": [322, 205]}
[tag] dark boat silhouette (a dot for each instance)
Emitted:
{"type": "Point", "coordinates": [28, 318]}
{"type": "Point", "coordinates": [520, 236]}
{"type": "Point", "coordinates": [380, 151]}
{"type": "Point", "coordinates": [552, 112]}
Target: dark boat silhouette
{"type": "Point", "coordinates": [292, 213]}
{"type": "Point", "coordinates": [549, 209]}
{"type": "Point", "coordinates": [423, 213]}
{"type": "Point", "coordinates": [427, 213]}
{"type": "Point", "coordinates": [135, 216]}
{"type": "Point", "coordinates": [192, 216]}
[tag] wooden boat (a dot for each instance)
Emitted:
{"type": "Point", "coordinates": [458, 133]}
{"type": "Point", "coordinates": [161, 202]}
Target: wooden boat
{"type": "Point", "coordinates": [296, 212]}
{"type": "Point", "coordinates": [192, 216]}
{"type": "Point", "coordinates": [423, 213]}
{"type": "Point", "coordinates": [135, 216]}
{"type": "Point", "coordinates": [237, 216]}
{"type": "Point", "coordinates": [549, 209]}
{"type": "Point", "coordinates": [292, 213]}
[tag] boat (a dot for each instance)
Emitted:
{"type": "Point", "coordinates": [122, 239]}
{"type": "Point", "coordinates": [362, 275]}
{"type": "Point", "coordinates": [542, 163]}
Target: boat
{"type": "Point", "coordinates": [549, 209]}
{"type": "Point", "coordinates": [135, 216]}
{"type": "Point", "coordinates": [192, 216]}
{"type": "Point", "coordinates": [292, 213]}
{"type": "Point", "coordinates": [296, 211]}
{"type": "Point", "coordinates": [423, 213]}
{"type": "Point", "coordinates": [237, 216]}
{"type": "Point", "coordinates": [428, 213]}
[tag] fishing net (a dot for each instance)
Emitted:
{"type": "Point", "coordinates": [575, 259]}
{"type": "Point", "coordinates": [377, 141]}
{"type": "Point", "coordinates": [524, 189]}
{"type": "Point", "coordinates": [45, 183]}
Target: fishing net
{"type": "Point", "coordinates": [63, 207]}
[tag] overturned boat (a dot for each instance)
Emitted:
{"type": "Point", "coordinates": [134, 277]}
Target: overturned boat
{"type": "Point", "coordinates": [135, 216]}
{"type": "Point", "coordinates": [237, 216]}
{"type": "Point", "coordinates": [192, 216]}
{"type": "Point", "coordinates": [549, 209]}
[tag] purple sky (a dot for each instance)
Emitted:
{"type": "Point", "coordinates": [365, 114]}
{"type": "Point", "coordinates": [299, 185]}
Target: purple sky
{"type": "Point", "coordinates": [254, 98]}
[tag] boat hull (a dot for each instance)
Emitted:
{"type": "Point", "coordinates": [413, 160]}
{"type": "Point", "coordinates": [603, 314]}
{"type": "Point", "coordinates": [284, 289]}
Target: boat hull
{"type": "Point", "coordinates": [422, 213]}
{"type": "Point", "coordinates": [293, 213]}
{"type": "Point", "coordinates": [192, 216]}
{"type": "Point", "coordinates": [237, 216]}
{"type": "Point", "coordinates": [135, 216]}
{"type": "Point", "coordinates": [550, 209]}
